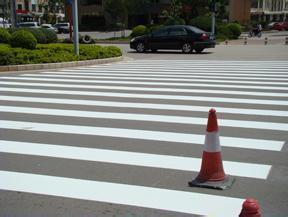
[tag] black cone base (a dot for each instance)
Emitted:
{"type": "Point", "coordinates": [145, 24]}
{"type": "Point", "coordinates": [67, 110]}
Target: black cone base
{"type": "Point", "coordinates": [220, 185]}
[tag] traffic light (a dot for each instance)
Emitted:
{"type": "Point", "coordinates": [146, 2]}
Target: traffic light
{"type": "Point", "coordinates": [213, 7]}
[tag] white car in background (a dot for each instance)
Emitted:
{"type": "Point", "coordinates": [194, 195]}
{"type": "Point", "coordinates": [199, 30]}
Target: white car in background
{"type": "Point", "coordinates": [28, 25]}
{"type": "Point", "coordinates": [49, 26]}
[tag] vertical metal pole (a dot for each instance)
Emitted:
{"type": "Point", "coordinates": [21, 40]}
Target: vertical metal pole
{"type": "Point", "coordinates": [213, 9]}
{"type": "Point", "coordinates": [13, 14]}
{"type": "Point", "coordinates": [75, 27]}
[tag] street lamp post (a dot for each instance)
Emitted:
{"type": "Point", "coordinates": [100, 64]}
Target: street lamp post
{"type": "Point", "coordinates": [213, 10]}
{"type": "Point", "coordinates": [75, 27]}
{"type": "Point", "coordinates": [13, 13]}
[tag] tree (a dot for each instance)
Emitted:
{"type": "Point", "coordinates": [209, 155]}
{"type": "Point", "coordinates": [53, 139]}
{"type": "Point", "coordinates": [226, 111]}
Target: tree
{"type": "Point", "coordinates": [51, 9]}
{"type": "Point", "coordinates": [174, 15]}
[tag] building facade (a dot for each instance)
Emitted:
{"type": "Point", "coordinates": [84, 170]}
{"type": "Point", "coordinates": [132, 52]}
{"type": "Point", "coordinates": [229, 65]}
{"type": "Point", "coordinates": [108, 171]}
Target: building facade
{"type": "Point", "coordinates": [269, 10]}
{"type": "Point", "coordinates": [240, 11]}
{"type": "Point", "coordinates": [92, 15]}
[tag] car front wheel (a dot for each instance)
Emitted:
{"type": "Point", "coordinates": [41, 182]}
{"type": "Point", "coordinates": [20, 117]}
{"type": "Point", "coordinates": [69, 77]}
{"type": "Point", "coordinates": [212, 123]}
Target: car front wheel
{"type": "Point", "coordinates": [187, 48]}
{"type": "Point", "coordinates": [140, 47]}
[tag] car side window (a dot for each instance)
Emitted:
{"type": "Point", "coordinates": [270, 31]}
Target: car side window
{"type": "Point", "coordinates": [160, 33]}
{"type": "Point", "coordinates": [177, 32]}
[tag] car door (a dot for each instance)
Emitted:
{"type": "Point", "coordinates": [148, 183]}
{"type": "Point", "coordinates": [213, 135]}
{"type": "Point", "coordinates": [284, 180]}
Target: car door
{"type": "Point", "coordinates": [158, 39]}
{"type": "Point", "coordinates": [176, 37]}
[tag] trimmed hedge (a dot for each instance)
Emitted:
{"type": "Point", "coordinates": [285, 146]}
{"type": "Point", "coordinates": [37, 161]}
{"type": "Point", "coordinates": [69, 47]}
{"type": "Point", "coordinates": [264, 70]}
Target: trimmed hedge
{"type": "Point", "coordinates": [202, 22]}
{"type": "Point", "coordinates": [23, 39]}
{"type": "Point", "coordinates": [4, 36]}
{"type": "Point", "coordinates": [235, 30]}
{"type": "Point", "coordinates": [139, 30]}
{"type": "Point", "coordinates": [42, 35]}
{"type": "Point", "coordinates": [53, 53]}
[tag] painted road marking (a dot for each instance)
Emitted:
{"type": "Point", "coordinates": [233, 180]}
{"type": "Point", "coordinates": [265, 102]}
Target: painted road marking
{"type": "Point", "coordinates": [157, 106]}
{"type": "Point", "coordinates": [147, 89]}
{"type": "Point", "coordinates": [171, 200]}
{"type": "Point", "coordinates": [145, 117]}
{"type": "Point", "coordinates": [148, 96]}
{"type": "Point", "coordinates": [258, 171]}
{"type": "Point", "coordinates": [189, 81]}
{"type": "Point", "coordinates": [141, 134]}
{"type": "Point", "coordinates": [149, 83]}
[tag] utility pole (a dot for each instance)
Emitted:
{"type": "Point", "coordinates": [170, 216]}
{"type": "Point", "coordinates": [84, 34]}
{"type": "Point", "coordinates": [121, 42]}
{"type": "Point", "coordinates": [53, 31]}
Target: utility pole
{"type": "Point", "coordinates": [75, 27]}
{"type": "Point", "coordinates": [13, 14]}
{"type": "Point", "coordinates": [213, 10]}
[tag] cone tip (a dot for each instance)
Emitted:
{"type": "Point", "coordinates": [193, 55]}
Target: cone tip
{"type": "Point", "coordinates": [212, 110]}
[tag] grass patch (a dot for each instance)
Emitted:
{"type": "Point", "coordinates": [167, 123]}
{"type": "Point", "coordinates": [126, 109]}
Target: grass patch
{"type": "Point", "coordinates": [54, 53]}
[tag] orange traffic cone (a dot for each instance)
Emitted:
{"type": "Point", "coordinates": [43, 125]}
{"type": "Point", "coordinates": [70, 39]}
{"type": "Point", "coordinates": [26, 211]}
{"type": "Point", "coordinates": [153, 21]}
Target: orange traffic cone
{"type": "Point", "coordinates": [212, 174]}
{"type": "Point", "coordinates": [250, 208]}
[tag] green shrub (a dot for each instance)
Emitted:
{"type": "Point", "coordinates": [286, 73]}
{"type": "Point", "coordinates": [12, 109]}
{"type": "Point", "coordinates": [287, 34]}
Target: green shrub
{"type": "Point", "coordinates": [225, 32]}
{"type": "Point", "coordinates": [235, 30]}
{"type": "Point", "coordinates": [4, 36]}
{"type": "Point", "coordinates": [38, 34]}
{"type": "Point", "coordinates": [23, 39]}
{"type": "Point", "coordinates": [52, 53]}
{"type": "Point", "coordinates": [201, 22]}
{"type": "Point", "coordinates": [174, 21]}
{"type": "Point", "coordinates": [51, 36]}
{"type": "Point", "coordinates": [139, 30]}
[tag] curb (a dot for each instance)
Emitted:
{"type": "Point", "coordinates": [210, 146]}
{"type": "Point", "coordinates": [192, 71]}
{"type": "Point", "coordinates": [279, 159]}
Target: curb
{"type": "Point", "coordinates": [15, 68]}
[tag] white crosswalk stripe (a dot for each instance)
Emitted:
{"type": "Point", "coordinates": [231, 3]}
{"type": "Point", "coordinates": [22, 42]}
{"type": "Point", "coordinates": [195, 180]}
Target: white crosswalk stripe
{"type": "Point", "coordinates": [129, 104]}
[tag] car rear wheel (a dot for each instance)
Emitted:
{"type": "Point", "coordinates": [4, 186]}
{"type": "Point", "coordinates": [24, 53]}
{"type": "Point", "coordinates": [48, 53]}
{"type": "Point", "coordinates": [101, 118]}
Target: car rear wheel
{"type": "Point", "coordinates": [187, 48]}
{"type": "Point", "coordinates": [199, 50]}
{"type": "Point", "coordinates": [140, 47]}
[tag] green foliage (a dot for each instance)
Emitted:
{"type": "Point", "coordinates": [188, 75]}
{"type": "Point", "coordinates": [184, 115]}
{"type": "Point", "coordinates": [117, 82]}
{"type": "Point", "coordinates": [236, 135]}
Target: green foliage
{"type": "Point", "coordinates": [235, 30]}
{"type": "Point", "coordinates": [51, 36]}
{"type": "Point", "coordinates": [4, 36]}
{"type": "Point", "coordinates": [23, 39]}
{"type": "Point", "coordinates": [174, 21]}
{"type": "Point", "coordinates": [52, 53]}
{"type": "Point", "coordinates": [139, 30]}
{"type": "Point", "coordinates": [202, 22]}
{"type": "Point", "coordinates": [38, 34]}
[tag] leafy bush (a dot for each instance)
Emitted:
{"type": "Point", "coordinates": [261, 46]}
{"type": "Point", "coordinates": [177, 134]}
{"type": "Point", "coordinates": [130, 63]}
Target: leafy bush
{"type": "Point", "coordinates": [235, 30]}
{"type": "Point", "coordinates": [139, 30]}
{"type": "Point", "coordinates": [174, 21]}
{"type": "Point", "coordinates": [52, 53]}
{"type": "Point", "coordinates": [201, 22]}
{"type": "Point", "coordinates": [224, 32]}
{"type": "Point", "coordinates": [4, 36]}
{"type": "Point", "coordinates": [51, 36]}
{"type": "Point", "coordinates": [23, 39]}
{"type": "Point", "coordinates": [38, 34]}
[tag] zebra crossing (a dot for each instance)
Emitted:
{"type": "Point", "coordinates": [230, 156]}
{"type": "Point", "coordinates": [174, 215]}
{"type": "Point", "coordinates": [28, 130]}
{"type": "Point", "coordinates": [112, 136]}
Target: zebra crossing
{"type": "Point", "coordinates": [131, 125]}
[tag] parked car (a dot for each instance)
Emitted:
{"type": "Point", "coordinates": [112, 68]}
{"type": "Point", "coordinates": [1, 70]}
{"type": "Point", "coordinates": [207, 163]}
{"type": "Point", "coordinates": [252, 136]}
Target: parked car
{"type": "Point", "coordinates": [49, 26]}
{"type": "Point", "coordinates": [62, 27]}
{"type": "Point", "coordinates": [270, 25]}
{"type": "Point", "coordinates": [4, 23]}
{"type": "Point", "coordinates": [177, 37]}
{"type": "Point", "coordinates": [281, 26]}
{"type": "Point", "coordinates": [28, 25]}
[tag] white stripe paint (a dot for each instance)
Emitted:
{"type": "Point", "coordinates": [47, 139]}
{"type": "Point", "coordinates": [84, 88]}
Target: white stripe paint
{"type": "Point", "coordinates": [170, 72]}
{"type": "Point", "coordinates": [258, 171]}
{"type": "Point", "coordinates": [141, 134]}
{"type": "Point", "coordinates": [148, 96]}
{"type": "Point", "coordinates": [144, 117]}
{"type": "Point", "coordinates": [99, 74]}
{"type": "Point", "coordinates": [156, 198]}
{"type": "Point", "coordinates": [146, 89]}
{"type": "Point", "coordinates": [207, 80]}
{"type": "Point", "coordinates": [260, 112]}
{"type": "Point", "coordinates": [190, 84]}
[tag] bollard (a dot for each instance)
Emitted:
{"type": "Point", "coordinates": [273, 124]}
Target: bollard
{"type": "Point", "coordinates": [250, 208]}
{"type": "Point", "coordinates": [266, 41]}
{"type": "Point", "coordinates": [226, 42]}
{"type": "Point", "coordinates": [286, 41]}
{"type": "Point", "coordinates": [245, 41]}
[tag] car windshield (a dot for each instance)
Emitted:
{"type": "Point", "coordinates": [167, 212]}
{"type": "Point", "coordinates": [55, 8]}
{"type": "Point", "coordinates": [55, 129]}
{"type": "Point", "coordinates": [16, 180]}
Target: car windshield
{"type": "Point", "coordinates": [195, 29]}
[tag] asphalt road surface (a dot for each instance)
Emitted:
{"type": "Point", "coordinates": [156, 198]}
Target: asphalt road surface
{"type": "Point", "coordinates": [124, 139]}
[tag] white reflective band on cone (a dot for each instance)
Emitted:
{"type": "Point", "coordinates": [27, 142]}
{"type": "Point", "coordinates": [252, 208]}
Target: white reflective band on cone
{"type": "Point", "coordinates": [212, 142]}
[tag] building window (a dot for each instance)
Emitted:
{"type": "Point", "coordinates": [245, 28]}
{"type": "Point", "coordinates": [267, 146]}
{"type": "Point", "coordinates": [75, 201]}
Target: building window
{"type": "Point", "coordinates": [33, 7]}
{"type": "Point", "coordinates": [254, 4]}
{"type": "Point", "coordinates": [286, 5]}
{"type": "Point", "coordinates": [19, 6]}
{"type": "Point", "coordinates": [40, 8]}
